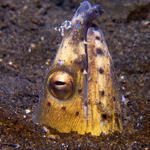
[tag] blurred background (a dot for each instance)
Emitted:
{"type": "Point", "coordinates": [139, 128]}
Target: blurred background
{"type": "Point", "coordinates": [28, 44]}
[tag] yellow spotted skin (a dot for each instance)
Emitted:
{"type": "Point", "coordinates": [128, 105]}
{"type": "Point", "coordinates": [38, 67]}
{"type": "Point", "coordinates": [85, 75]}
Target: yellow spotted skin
{"type": "Point", "coordinates": [102, 94]}
{"type": "Point", "coordinates": [85, 63]}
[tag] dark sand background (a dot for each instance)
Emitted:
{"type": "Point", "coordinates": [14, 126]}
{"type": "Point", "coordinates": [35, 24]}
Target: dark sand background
{"type": "Point", "coordinates": [28, 43]}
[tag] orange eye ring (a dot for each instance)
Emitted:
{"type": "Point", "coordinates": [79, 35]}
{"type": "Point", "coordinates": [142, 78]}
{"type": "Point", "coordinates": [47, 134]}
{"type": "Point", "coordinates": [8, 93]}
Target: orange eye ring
{"type": "Point", "coordinates": [61, 85]}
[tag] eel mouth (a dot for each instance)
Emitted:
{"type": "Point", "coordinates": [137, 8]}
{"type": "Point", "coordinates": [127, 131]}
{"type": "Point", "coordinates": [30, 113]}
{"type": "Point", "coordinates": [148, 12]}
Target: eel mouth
{"type": "Point", "coordinates": [83, 19]}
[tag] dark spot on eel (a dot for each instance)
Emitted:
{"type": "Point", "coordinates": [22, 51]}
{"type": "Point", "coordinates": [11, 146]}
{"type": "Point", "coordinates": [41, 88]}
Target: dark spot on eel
{"type": "Point", "coordinates": [99, 51]}
{"type": "Point", "coordinates": [104, 116]}
{"type": "Point", "coordinates": [49, 104]}
{"type": "Point", "coordinates": [82, 69]}
{"type": "Point", "coordinates": [79, 91]}
{"type": "Point", "coordinates": [114, 98]}
{"type": "Point", "coordinates": [101, 70]}
{"type": "Point", "coordinates": [82, 38]}
{"type": "Point", "coordinates": [77, 113]}
{"type": "Point", "coordinates": [99, 103]}
{"type": "Point", "coordinates": [63, 108]}
{"type": "Point", "coordinates": [102, 93]}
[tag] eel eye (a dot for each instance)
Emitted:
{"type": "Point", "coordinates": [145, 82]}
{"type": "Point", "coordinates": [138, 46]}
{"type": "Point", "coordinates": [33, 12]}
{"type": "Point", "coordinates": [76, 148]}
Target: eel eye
{"type": "Point", "coordinates": [61, 85]}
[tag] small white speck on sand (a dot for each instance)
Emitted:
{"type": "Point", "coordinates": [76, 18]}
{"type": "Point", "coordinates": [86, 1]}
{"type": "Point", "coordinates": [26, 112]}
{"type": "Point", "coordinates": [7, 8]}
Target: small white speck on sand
{"type": "Point", "coordinates": [145, 22]}
{"type": "Point", "coordinates": [10, 62]}
{"type": "Point", "coordinates": [123, 98]}
{"type": "Point", "coordinates": [24, 116]}
{"type": "Point", "coordinates": [29, 50]}
{"type": "Point", "coordinates": [48, 61]}
{"type": "Point", "coordinates": [32, 45]}
{"type": "Point", "coordinates": [25, 7]}
{"type": "Point", "coordinates": [122, 77]}
{"type": "Point", "coordinates": [27, 111]}
{"type": "Point", "coordinates": [42, 38]}
{"type": "Point", "coordinates": [123, 88]}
